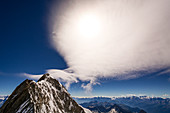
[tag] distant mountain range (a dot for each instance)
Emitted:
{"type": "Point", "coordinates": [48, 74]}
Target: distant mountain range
{"type": "Point", "coordinates": [3, 99]}
{"type": "Point", "coordinates": [106, 107]}
{"type": "Point", "coordinates": [148, 104]}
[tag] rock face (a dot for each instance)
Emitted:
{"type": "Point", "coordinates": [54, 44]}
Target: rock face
{"type": "Point", "coordinates": [45, 96]}
{"type": "Point", "coordinates": [142, 111]}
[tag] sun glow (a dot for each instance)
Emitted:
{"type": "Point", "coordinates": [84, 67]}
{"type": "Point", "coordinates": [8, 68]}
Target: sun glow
{"type": "Point", "coordinates": [89, 26]}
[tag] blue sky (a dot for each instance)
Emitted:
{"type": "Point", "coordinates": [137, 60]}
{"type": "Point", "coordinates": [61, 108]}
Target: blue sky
{"type": "Point", "coordinates": [25, 48]}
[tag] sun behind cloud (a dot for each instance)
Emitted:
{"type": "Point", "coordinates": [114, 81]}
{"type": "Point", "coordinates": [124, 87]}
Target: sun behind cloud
{"type": "Point", "coordinates": [89, 26]}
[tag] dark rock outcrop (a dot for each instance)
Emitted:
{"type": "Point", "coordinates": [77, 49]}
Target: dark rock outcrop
{"type": "Point", "coordinates": [142, 111]}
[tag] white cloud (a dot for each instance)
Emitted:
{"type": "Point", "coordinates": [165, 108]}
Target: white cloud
{"type": "Point", "coordinates": [135, 37]}
{"type": "Point", "coordinates": [131, 95]}
{"type": "Point", "coordinates": [30, 76]}
{"type": "Point", "coordinates": [165, 95]}
{"type": "Point", "coordinates": [62, 75]}
{"type": "Point", "coordinates": [165, 72]}
{"type": "Point", "coordinates": [88, 87]}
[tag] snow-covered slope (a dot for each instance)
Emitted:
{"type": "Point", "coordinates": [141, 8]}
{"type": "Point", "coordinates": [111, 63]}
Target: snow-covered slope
{"type": "Point", "coordinates": [45, 96]}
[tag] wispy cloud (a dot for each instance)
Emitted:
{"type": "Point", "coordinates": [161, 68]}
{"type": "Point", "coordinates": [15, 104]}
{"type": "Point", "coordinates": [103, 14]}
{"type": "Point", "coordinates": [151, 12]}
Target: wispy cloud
{"type": "Point", "coordinates": [135, 37]}
{"type": "Point", "coordinates": [130, 95]}
{"type": "Point", "coordinates": [36, 77]}
{"type": "Point", "coordinates": [88, 86]}
{"type": "Point", "coordinates": [165, 95]}
{"type": "Point", "coordinates": [62, 75]}
{"type": "Point", "coordinates": [167, 71]}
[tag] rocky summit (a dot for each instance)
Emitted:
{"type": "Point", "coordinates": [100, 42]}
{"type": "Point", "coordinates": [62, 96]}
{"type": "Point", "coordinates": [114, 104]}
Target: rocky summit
{"type": "Point", "coordinates": [46, 95]}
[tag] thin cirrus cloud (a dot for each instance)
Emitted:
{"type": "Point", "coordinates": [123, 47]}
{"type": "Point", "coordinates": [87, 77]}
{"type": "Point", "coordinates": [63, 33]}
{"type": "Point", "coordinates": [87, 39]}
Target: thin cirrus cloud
{"type": "Point", "coordinates": [134, 37]}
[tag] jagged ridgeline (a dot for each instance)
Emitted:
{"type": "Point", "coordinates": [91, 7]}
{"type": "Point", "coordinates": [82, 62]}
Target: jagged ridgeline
{"type": "Point", "coordinates": [46, 95]}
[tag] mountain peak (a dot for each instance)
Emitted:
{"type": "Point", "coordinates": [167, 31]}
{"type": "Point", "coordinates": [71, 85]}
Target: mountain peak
{"type": "Point", "coordinates": [46, 95]}
{"type": "Point", "coordinates": [45, 76]}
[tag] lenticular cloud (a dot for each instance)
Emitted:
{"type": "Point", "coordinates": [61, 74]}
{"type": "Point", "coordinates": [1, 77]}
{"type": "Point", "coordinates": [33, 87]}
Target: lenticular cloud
{"type": "Point", "coordinates": [134, 38]}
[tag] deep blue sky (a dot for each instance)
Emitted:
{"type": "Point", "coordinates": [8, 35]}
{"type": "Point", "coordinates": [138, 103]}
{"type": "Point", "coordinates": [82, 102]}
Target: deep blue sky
{"type": "Point", "coordinates": [25, 48]}
{"type": "Point", "coordinates": [24, 42]}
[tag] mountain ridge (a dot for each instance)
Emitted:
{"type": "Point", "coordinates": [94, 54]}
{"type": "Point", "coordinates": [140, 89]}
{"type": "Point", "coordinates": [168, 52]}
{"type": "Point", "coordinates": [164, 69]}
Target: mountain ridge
{"type": "Point", "coordinates": [106, 107]}
{"type": "Point", "coordinates": [148, 104]}
{"type": "Point", "coordinates": [46, 95]}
